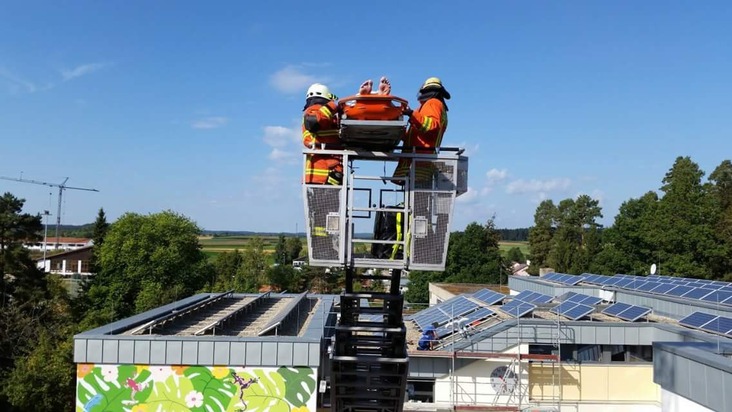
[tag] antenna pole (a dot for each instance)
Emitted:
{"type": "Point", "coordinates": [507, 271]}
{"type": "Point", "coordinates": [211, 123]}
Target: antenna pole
{"type": "Point", "coordinates": [58, 216]}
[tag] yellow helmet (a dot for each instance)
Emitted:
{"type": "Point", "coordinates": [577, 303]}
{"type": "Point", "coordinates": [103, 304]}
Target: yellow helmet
{"type": "Point", "coordinates": [434, 83]}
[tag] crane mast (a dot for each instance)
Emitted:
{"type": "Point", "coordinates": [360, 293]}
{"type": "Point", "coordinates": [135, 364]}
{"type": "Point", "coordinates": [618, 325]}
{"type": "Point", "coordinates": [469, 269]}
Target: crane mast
{"type": "Point", "coordinates": [61, 187]}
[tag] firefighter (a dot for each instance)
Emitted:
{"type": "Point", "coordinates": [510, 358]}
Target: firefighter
{"type": "Point", "coordinates": [427, 125]}
{"type": "Point", "coordinates": [320, 127]}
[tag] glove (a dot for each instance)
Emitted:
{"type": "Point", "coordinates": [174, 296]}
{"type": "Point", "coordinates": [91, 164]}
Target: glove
{"type": "Point", "coordinates": [311, 124]}
{"type": "Point", "coordinates": [407, 112]}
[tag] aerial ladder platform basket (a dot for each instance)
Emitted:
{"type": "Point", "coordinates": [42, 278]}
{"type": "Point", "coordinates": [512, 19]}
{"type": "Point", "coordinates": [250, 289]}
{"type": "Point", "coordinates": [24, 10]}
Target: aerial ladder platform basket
{"type": "Point", "coordinates": [368, 362]}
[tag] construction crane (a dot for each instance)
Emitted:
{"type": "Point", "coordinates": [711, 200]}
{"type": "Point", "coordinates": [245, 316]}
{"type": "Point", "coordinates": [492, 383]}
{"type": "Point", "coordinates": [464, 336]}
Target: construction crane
{"type": "Point", "coordinates": [61, 187]}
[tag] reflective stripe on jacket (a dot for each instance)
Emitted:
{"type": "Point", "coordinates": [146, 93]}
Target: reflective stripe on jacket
{"type": "Point", "coordinates": [427, 125]}
{"type": "Point", "coordinates": [318, 167]}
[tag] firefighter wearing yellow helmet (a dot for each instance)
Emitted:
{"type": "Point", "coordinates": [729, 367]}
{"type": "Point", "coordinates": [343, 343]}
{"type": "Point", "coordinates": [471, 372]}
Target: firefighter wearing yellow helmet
{"type": "Point", "coordinates": [427, 125]}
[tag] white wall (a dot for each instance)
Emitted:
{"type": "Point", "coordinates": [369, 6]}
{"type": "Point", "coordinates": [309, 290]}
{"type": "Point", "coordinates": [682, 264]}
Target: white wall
{"type": "Point", "coordinates": [472, 385]}
{"type": "Point", "coordinates": [671, 402]}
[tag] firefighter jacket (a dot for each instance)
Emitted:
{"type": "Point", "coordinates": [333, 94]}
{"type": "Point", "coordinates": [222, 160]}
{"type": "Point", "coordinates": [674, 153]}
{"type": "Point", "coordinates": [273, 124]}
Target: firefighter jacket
{"type": "Point", "coordinates": [427, 125]}
{"type": "Point", "coordinates": [320, 126]}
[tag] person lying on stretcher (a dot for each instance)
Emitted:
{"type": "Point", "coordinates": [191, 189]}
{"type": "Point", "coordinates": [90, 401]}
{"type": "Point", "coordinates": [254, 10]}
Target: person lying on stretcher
{"type": "Point", "coordinates": [373, 105]}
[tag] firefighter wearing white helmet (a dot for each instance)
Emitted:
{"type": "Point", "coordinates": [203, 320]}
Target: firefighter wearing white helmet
{"type": "Point", "coordinates": [320, 128]}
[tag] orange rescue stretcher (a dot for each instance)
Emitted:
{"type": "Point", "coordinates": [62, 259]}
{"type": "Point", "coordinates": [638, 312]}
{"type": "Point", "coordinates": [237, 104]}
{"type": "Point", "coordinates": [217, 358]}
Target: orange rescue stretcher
{"type": "Point", "coordinates": [372, 121]}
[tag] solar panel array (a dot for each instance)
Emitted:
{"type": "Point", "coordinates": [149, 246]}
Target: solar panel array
{"type": "Point", "coordinates": [580, 298]}
{"type": "Point", "coordinates": [563, 279]}
{"type": "Point", "coordinates": [709, 323]}
{"type": "Point", "coordinates": [573, 310]}
{"type": "Point", "coordinates": [710, 291]}
{"type": "Point", "coordinates": [624, 311]}
{"type": "Point", "coordinates": [533, 297]}
{"type": "Point", "coordinates": [488, 296]}
{"type": "Point", "coordinates": [455, 324]}
{"type": "Point", "coordinates": [517, 308]}
{"type": "Point", "coordinates": [444, 312]}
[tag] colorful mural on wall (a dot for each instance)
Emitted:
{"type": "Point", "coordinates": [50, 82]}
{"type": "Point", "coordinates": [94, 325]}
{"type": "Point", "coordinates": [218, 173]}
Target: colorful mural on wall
{"type": "Point", "coordinates": [143, 388]}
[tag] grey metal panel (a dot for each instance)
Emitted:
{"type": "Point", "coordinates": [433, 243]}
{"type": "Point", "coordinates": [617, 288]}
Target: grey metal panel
{"type": "Point", "coordinates": [632, 336]}
{"type": "Point", "coordinates": [189, 353]}
{"type": "Point", "coordinates": [715, 391]}
{"type": "Point", "coordinates": [238, 354]}
{"type": "Point", "coordinates": [205, 353]}
{"type": "Point", "coordinates": [602, 334]}
{"type": "Point", "coordinates": [174, 352]}
{"type": "Point", "coordinates": [314, 354]}
{"type": "Point", "coordinates": [587, 335]}
{"type": "Point", "coordinates": [301, 354]}
{"type": "Point", "coordinates": [80, 350]}
{"type": "Point", "coordinates": [126, 351]}
{"type": "Point", "coordinates": [617, 336]}
{"type": "Point", "coordinates": [269, 353]}
{"type": "Point", "coordinates": [221, 353]}
{"type": "Point", "coordinates": [142, 352]}
{"type": "Point", "coordinates": [254, 353]}
{"type": "Point", "coordinates": [94, 351]}
{"type": "Point", "coordinates": [157, 352]}
{"type": "Point", "coordinates": [680, 377]}
{"type": "Point", "coordinates": [284, 353]}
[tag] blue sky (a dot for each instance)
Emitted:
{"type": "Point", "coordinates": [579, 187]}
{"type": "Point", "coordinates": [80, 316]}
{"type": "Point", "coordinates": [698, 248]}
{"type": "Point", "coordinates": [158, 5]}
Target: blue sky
{"type": "Point", "coordinates": [195, 106]}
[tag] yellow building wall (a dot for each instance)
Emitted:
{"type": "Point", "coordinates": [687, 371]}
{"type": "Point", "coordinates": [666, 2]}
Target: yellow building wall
{"type": "Point", "coordinates": [593, 383]}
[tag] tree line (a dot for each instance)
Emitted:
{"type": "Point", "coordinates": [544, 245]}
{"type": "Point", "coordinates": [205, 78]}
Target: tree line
{"type": "Point", "coordinates": [686, 229]}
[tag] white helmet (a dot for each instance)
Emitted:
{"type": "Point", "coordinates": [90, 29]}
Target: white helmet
{"type": "Point", "coordinates": [320, 90]}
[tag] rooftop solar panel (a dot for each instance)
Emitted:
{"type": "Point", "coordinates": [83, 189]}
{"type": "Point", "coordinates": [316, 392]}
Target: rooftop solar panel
{"type": "Point", "coordinates": [488, 296]}
{"type": "Point", "coordinates": [591, 300]}
{"type": "Point", "coordinates": [523, 295]}
{"type": "Point", "coordinates": [541, 298]}
{"type": "Point", "coordinates": [563, 308]}
{"type": "Point", "coordinates": [679, 291]}
{"type": "Point", "coordinates": [518, 309]}
{"type": "Point", "coordinates": [616, 308]}
{"type": "Point", "coordinates": [696, 293]}
{"type": "Point", "coordinates": [663, 288]}
{"type": "Point", "coordinates": [634, 313]}
{"type": "Point", "coordinates": [717, 296]}
{"type": "Point", "coordinates": [696, 319]}
{"type": "Point", "coordinates": [572, 280]}
{"type": "Point", "coordinates": [636, 285]}
{"type": "Point", "coordinates": [578, 312]}
{"type": "Point", "coordinates": [719, 324]}
{"type": "Point", "coordinates": [648, 286]}
{"type": "Point", "coordinates": [624, 283]}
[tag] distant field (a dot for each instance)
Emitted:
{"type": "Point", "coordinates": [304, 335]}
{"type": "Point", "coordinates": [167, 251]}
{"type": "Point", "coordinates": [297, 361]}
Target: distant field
{"type": "Point", "coordinates": [505, 246]}
{"type": "Point", "coordinates": [215, 245]}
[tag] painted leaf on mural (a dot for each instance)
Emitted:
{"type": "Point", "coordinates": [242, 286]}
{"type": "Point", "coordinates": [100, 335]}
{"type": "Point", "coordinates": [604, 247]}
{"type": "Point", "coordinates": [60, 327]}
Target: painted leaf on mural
{"type": "Point", "coordinates": [104, 386]}
{"type": "Point", "coordinates": [176, 394]}
{"type": "Point", "coordinates": [215, 386]}
{"type": "Point", "coordinates": [267, 394]}
{"type": "Point", "coordinates": [299, 384]}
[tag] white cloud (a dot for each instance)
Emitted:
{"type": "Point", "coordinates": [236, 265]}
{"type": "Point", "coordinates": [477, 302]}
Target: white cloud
{"type": "Point", "coordinates": [15, 83]}
{"type": "Point", "coordinates": [82, 70]}
{"type": "Point", "coordinates": [537, 186]}
{"type": "Point", "coordinates": [280, 155]}
{"type": "Point", "coordinates": [293, 79]}
{"type": "Point", "coordinates": [496, 175]}
{"type": "Point", "coordinates": [210, 122]}
{"type": "Point", "coordinates": [469, 197]}
{"type": "Point", "coordinates": [279, 136]}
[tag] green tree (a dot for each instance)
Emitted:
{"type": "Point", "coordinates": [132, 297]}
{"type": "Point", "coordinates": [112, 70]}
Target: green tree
{"type": "Point", "coordinates": [685, 233]}
{"type": "Point", "coordinates": [515, 255]}
{"type": "Point", "coordinates": [225, 268]}
{"type": "Point", "coordinates": [721, 190]}
{"type": "Point", "coordinates": [252, 272]}
{"type": "Point", "coordinates": [473, 256]}
{"type": "Point", "coordinates": [418, 286]}
{"type": "Point", "coordinates": [281, 256]}
{"type": "Point", "coordinates": [100, 230]}
{"type": "Point", "coordinates": [20, 278]}
{"type": "Point", "coordinates": [146, 261]}
{"type": "Point", "coordinates": [294, 248]}
{"type": "Point", "coordinates": [575, 239]}
{"type": "Point", "coordinates": [541, 234]}
{"type": "Point", "coordinates": [284, 277]}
